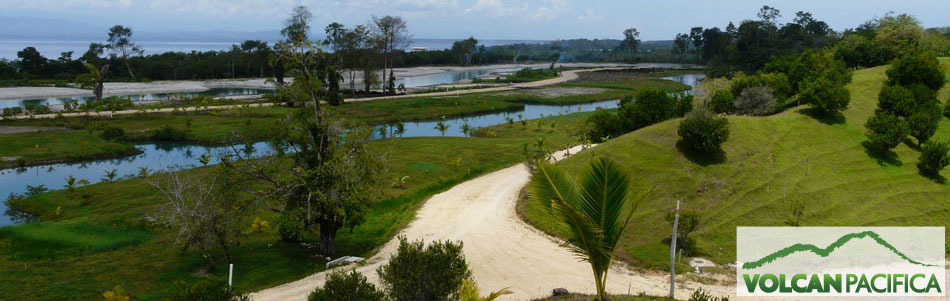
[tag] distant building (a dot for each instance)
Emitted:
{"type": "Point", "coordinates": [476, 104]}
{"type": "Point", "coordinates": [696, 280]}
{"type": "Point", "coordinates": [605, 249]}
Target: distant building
{"type": "Point", "coordinates": [414, 49]}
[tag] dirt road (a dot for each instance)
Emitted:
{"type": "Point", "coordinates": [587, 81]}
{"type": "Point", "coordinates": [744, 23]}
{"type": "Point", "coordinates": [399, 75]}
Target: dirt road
{"type": "Point", "coordinates": [500, 248]}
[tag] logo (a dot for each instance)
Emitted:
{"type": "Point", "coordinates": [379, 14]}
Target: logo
{"type": "Point", "coordinates": [840, 261]}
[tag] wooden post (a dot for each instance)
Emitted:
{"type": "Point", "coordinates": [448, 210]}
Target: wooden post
{"type": "Point", "coordinates": [676, 221]}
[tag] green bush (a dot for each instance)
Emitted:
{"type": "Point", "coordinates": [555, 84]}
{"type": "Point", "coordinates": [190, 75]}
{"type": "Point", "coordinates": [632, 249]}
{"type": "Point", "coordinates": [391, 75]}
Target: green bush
{"type": "Point", "coordinates": [650, 106]}
{"type": "Point", "coordinates": [923, 124]}
{"type": "Point", "coordinates": [704, 295]}
{"type": "Point", "coordinates": [722, 102]}
{"type": "Point", "coordinates": [114, 133]}
{"type": "Point", "coordinates": [946, 110]}
{"type": "Point", "coordinates": [418, 272]}
{"type": "Point", "coordinates": [341, 285]}
{"type": "Point", "coordinates": [207, 289]}
{"type": "Point", "coordinates": [896, 100]}
{"type": "Point", "coordinates": [885, 130]}
{"type": "Point", "coordinates": [934, 157]}
{"type": "Point", "coordinates": [778, 83]}
{"type": "Point", "coordinates": [702, 131]}
{"type": "Point", "coordinates": [684, 104]}
{"type": "Point", "coordinates": [825, 95]}
{"type": "Point", "coordinates": [756, 101]}
{"type": "Point", "coordinates": [920, 68]}
{"type": "Point", "coordinates": [167, 133]}
{"type": "Point", "coordinates": [10, 112]}
{"type": "Point", "coordinates": [603, 123]}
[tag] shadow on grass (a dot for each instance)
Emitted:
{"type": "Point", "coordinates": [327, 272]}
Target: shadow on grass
{"type": "Point", "coordinates": [826, 118]}
{"type": "Point", "coordinates": [701, 158]}
{"type": "Point", "coordinates": [911, 144]}
{"type": "Point", "coordinates": [883, 156]}
{"type": "Point", "coordinates": [936, 178]}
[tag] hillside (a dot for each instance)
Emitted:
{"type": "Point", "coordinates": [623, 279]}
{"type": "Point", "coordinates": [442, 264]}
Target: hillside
{"type": "Point", "coordinates": [769, 162]}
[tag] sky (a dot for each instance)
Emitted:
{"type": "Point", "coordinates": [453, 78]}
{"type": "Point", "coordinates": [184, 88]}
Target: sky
{"type": "Point", "coordinates": [484, 19]}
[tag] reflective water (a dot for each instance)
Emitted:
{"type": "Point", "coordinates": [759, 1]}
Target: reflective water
{"type": "Point", "coordinates": [214, 92]}
{"type": "Point", "coordinates": [163, 156]}
{"type": "Point", "coordinates": [448, 77]}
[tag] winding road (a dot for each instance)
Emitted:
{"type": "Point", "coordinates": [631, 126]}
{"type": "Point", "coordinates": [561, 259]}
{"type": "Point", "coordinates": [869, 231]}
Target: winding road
{"type": "Point", "coordinates": [501, 249]}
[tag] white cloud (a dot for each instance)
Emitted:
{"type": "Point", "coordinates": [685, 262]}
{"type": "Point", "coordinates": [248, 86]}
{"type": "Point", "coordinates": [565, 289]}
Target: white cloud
{"type": "Point", "coordinates": [550, 10]}
{"type": "Point", "coordinates": [589, 16]}
{"type": "Point", "coordinates": [495, 8]}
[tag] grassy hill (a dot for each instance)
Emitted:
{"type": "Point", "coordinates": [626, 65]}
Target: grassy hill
{"type": "Point", "coordinates": [769, 162]}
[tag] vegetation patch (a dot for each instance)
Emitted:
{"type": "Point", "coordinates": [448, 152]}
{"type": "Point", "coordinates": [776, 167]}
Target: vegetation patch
{"type": "Point", "coordinates": [35, 241]}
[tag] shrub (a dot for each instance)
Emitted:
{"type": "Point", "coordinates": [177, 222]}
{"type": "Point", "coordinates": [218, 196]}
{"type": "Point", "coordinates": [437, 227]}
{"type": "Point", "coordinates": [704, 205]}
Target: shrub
{"type": "Point", "coordinates": [934, 157]}
{"type": "Point", "coordinates": [684, 104]}
{"type": "Point", "coordinates": [10, 112]}
{"type": "Point", "coordinates": [167, 133]}
{"type": "Point", "coordinates": [896, 100]}
{"type": "Point", "coordinates": [346, 286]}
{"type": "Point", "coordinates": [703, 131]}
{"type": "Point", "coordinates": [650, 106]}
{"type": "Point", "coordinates": [946, 110]}
{"type": "Point", "coordinates": [825, 95]}
{"type": "Point", "coordinates": [923, 124]}
{"type": "Point", "coordinates": [208, 289]}
{"type": "Point", "coordinates": [778, 83]}
{"type": "Point", "coordinates": [886, 130]}
{"type": "Point", "coordinates": [704, 295]}
{"type": "Point", "coordinates": [757, 101]}
{"type": "Point", "coordinates": [602, 124]}
{"type": "Point", "coordinates": [920, 68]}
{"type": "Point", "coordinates": [113, 133]}
{"type": "Point", "coordinates": [418, 272]}
{"type": "Point", "coordinates": [858, 51]}
{"type": "Point", "coordinates": [722, 102]}
{"type": "Point", "coordinates": [688, 223]}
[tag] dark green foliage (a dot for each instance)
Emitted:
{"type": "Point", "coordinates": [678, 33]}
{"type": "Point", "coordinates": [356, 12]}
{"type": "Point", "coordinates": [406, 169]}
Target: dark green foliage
{"type": "Point", "coordinates": [113, 133]}
{"type": "Point", "coordinates": [603, 123]}
{"type": "Point", "coordinates": [859, 51]}
{"type": "Point", "coordinates": [722, 102]}
{"type": "Point", "coordinates": [756, 101]}
{"type": "Point", "coordinates": [704, 295]}
{"type": "Point", "coordinates": [650, 106]}
{"type": "Point", "coordinates": [946, 110]}
{"type": "Point", "coordinates": [921, 68]}
{"type": "Point", "coordinates": [37, 109]}
{"type": "Point", "coordinates": [896, 100]}
{"type": "Point", "coordinates": [419, 272]}
{"type": "Point", "coordinates": [885, 130]}
{"type": "Point", "coordinates": [689, 222]}
{"type": "Point", "coordinates": [10, 112]}
{"type": "Point", "coordinates": [684, 104]}
{"type": "Point", "coordinates": [934, 157]}
{"type": "Point", "coordinates": [704, 132]}
{"type": "Point", "coordinates": [167, 133]}
{"type": "Point", "coordinates": [341, 285]}
{"type": "Point", "coordinates": [825, 94]}
{"type": "Point", "coordinates": [207, 289]}
{"type": "Point", "coordinates": [923, 123]}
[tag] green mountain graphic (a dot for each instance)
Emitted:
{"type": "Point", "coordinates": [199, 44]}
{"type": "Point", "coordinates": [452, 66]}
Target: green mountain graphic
{"type": "Point", "coordinates": [828, 250]}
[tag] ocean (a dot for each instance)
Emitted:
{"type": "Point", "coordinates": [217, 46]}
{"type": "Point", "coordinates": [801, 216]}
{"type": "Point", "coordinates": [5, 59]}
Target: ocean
{"type": "Point", "coordinates": [52, 49]}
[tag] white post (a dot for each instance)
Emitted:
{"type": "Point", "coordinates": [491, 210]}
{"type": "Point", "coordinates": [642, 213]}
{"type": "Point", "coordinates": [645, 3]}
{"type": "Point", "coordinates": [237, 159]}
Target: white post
{"type": "Point", "coordinates": [230, 273]}
{"type": "Point", "coordinates": [676, 221]}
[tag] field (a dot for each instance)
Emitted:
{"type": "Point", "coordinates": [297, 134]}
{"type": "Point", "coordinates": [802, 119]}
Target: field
{"type": "Point", "coordinates": [769, 163]}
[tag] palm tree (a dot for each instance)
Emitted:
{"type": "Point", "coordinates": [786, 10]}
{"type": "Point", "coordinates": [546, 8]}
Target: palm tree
{"type": "Point", "coordinates": [204, 159]}
{"type": "Point", "coordinates": [382, 132]}
{"type": "Point", "coordinates": [441, 127]}
{"type": "Point", "coordinates": [110, 175]}
{"type": "Point", "coordinates": [592, 207]}
{"type": "Point", "coordinates": [400, 129]}
{"type": "Point", "coordinates": [466, 129]}
{"type": "Point", "coordinates": [94, 78]}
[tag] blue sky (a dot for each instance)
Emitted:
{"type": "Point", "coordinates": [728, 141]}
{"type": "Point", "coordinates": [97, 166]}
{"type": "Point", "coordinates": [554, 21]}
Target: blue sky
{"type": "Point", "coordinates": [486, 19]}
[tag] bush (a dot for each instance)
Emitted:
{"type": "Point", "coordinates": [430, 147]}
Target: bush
{"type": "Point", "coordinates": [923, 124]}
{"type": "Point", "coordinates": [757, 101]}
{"type": "Point", "coordinates": [704, 295]}
{"type": "Point", "coordinates": [167, 133]}
{"type": "Point", "coordinates": [346, 286]}
{"type": "Point", "coordinates": [650, 106]}
{"type": "Point", "coordinates": [418, 272]}
{"type": "Point", "coordinates": [934, 157]}
{"type": "Point", "coordinates": [886, 130]}
{"type": "Point", "coordinates": [602, 124]}
{"type": "Point", "coordinates": [10, 112]}
{"type": "Point", "coordinates": [208, 289]}
{"type": "Point", "coordinates": [113, 133]}
{"type": "Point", "coordinates": [689, 222]}
{"type": "Point", "coordinates": [722, 102]}
{"type": "Point", "coordinates": [704, 132]}
{"type": "Point", "coordinates": [780, 87]}
{"type": "Point", "coordinates": [946, 110]}
{"type": "Point", "coordinates": [896, 100]}
{"type": "Point", "coordinates": [858, 51]}
{"type": "Point", "coordinates": [825, 95]}
{"type": "Point", "coordinates": [921, 68]}
{"type": "Point", "coordinates": [684, 104]}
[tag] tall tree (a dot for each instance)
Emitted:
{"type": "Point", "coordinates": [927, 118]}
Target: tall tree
{"type": "Point", "coordinates": [120, 44]}
{"type": "Point", "coordinates": [631, 41]}
{"type": "Point", "coordinates": [594, 207]}
{"type": "Point", "coordinates": [696, 36]}
{"type": "Point", "coordinates": [94, 78]}
{"type": "Point", "coordinates": [297, 27]}
{"type": "Point", "coordinates": [392, 34]}
{"type": "Point", "coordinates": [464, 50]}
{"type": "Point", "coordinates": [32, 63]}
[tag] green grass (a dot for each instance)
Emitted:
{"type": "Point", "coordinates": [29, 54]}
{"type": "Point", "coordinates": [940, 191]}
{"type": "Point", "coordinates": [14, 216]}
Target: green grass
{"type": "Point", "coordinates": [630, 84]}
{"type": "Point", "coordinates": [767, 161]}
{"type": "Point", "coordinates": [58, 145]}
{"type": "Point", "coordinates": [148, 268]}
{"type": "Point", "coordinates": [51, 240]}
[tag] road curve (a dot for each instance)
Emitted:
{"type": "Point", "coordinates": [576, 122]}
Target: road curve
{"type": "Point", "coordinates": [500, 248]}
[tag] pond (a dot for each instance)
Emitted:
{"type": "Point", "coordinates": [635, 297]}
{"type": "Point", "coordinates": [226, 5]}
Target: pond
{"type": "Point", "coordinates": [181, 156]}
{"type": "Point", "coordinates": [213, 92]}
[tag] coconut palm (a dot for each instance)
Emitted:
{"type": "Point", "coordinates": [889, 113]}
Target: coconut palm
{"type": "Point", "coordinates": [400, 129]}
{"type": "Point", "coordinates": [466, 129]}
{"type": "Point", "coordinates": [94, 79]}
{"type": "Point", "coordinates": [382, 132]}
{"type": "Point", "coordinates": [442, 127]}
{"type": "Point", "coordinates": [204, 159]}
{"type": "Point", "coordinates": [593, 207]}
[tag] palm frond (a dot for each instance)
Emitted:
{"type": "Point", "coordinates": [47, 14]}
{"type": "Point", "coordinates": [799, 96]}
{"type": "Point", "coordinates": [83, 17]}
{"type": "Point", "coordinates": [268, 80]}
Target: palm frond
{"type": "Point", "coordinates": [585, 239]}
{"type": "Point", "coordinates": [605, 186]}
{"type": "Point", "coordinates": [549, 183]}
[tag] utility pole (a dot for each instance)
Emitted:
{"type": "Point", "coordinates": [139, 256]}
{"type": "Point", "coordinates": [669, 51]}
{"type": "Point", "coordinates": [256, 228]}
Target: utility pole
{"type": "Point", "coordinates": [676, 221]}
